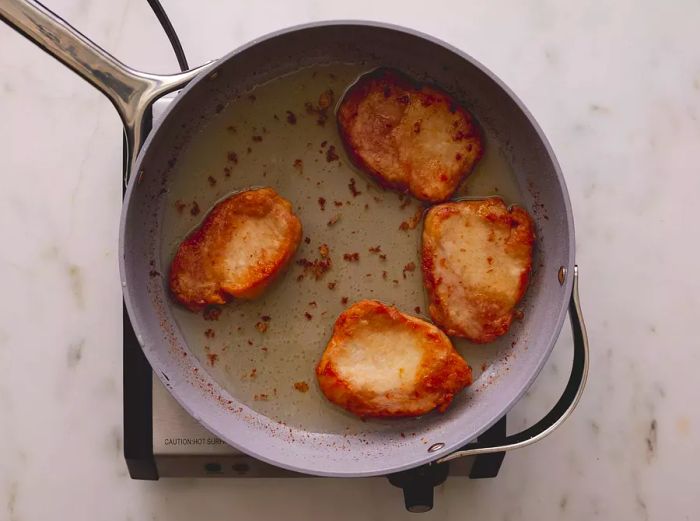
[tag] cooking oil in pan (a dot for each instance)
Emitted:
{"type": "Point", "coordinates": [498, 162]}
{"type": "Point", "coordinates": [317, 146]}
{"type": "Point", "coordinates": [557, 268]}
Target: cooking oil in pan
{"type": "Point", "coordinates": [283, 134]}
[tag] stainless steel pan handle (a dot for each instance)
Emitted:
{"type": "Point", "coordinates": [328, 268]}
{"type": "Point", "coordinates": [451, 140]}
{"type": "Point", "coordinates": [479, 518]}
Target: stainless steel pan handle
{"type": "Point", "coordinates": [130, 91]}
{"type": "Point", "coordinates": [566, 404]}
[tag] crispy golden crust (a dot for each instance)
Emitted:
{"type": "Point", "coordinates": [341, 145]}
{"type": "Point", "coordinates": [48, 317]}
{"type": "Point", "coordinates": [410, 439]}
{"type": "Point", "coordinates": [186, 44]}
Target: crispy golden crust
{"type": "Point", "coordinates": [236, 252]}
{"type": "Point", "coordinates": [410, 137]}
{"type": "Point", "coordinates": [477, 257]}
{"type": "Point", "coordinates": [383, 363]}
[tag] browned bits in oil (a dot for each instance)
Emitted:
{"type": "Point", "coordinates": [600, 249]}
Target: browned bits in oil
{"type": "Point", "coordinates": [325, 100]}
{"type": "Point", "coordinates": [323, 144]}
{"type": "Point", "coordinates": [257, 139]}
{"type": "Point", "coordinates": [416, 127]}
{"type": "Point", "coordinates": [233, 157]}
{"type": "Point", "coordinates": [249, 150]}
{"type": "Point", "coordinates": [331, 285]}
{"type": "Point", "coordinates": [307, 240]}
{"type": "Point", "coordinates": [251, 97]}
{"type": "Point", "coordinates": [417, 309]}
{"type": "Point", "coordinates": [377, 199]}
{"type": "Point", "coordinates": [395, 281]}
{"type": "Point", "coordinates": [302, 386]}
{"type": "Point", "coordinates": [333, 220]}
{"type": "Point", "coordinates": [264, 349]}
{"type": "Point", "coordinates": [308, 315]}
{"type": "Point", "coordinates": [265, 318]}
{"type": "Point", "coordinates": [253, 372]}
{"type": "Point", "coordinates": [227, 171]}
{"type": "Point", "coordinates": [232, 129]}
{"type": "Point", "coordinates": [211, 313]}
{"type": "Point", "coordinates": [322, 203]}
{"type": "Point", "coordinates": [299, 165]}
{"type": "Point", "coordinates": [344, 300]}
{"type": "Point", "coordinates": [317, 268]}
{"type": "Point", "coordinates": [250, 342]}
{"type": "Point", "coordinates": [262, 397]}
{"type": "Point", "coordinates": [212, 358]}
{"type": "Point", "coordinates": [324, 250]}
{"type": "Point", "coordinates": [375, 249]}
{"type": "Point", "coordinates": [404, 203]}
{"type": "Point", "coordinates": [385, 275]}
{"type": "Point", "coordinates": [313, 304]}
{"type": "Point", "coordinates": [518, 314]}
{"type": "Point", "coordinates": [153, 273]}
{"type": "Point", "coordinates": [194, 209]}
{"type": "Point", "coordinates": [180, 206]}
{"type": "Point", "coordinates": [261, 326]}
{"type": "Point", "coordinates": [331, 154]}
{"type": "Point", "coordinates": [411, 223]}
{"type": "Point", "coordinates": [291, 118]}
{"type": "Point", "coordinates": [351, 257]}
{"type": "Point", "coordinates": [209, 333]}
{"type": "Point", "coordinates": [212, 180]}
{"type": "Point", "coordinates": [382, 256]}
{"type": "Point", "coordinates": [410, 267]}
{"type": "Point", "coordinates": [353, 187]}
{"type": "Point", "coordinates": [338, 204]}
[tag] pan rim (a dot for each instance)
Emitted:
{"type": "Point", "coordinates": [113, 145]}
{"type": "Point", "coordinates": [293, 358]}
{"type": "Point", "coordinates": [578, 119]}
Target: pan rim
{"type": "Point", "coordinates": [376, 470]}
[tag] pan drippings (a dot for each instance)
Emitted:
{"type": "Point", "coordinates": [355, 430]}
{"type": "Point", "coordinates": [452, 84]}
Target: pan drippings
{"type": "Point", "coordinates": [360, 242]}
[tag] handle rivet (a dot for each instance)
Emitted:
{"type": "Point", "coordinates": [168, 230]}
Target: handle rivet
{"type": "Point", "coordinates": [562, 275]}
{"type": "Point", "coordinates": [436, 447]}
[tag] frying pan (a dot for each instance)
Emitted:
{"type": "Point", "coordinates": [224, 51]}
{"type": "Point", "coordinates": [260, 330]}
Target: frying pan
{"type": "Point", "coordinates": [342, 448]}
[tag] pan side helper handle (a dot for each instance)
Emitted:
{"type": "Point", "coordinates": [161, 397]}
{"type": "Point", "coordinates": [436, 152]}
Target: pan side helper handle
{"type": "Point", "coordinates": [130, 91]}
{"type": "Point", "coordinates": [566, 404]}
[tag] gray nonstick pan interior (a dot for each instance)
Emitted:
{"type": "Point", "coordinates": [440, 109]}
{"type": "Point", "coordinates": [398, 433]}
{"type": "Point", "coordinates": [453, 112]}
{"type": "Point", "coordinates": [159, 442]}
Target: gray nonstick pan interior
{"type": "Point", "coordinates": [253, 120]}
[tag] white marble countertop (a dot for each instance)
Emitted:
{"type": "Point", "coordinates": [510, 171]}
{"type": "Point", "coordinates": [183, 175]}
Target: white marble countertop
{"type": "Point", "coordinates": [615, 86]}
